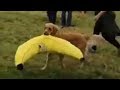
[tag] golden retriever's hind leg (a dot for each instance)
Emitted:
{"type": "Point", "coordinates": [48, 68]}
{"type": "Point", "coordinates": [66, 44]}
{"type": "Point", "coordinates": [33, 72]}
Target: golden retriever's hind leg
{"type": "Point", "coordinates": [61, 57]}
{"type": "Point", "coordinates": [46, 62]}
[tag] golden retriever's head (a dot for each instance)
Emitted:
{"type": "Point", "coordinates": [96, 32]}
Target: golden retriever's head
{"type": "Point", "coordinates": [50, 29]}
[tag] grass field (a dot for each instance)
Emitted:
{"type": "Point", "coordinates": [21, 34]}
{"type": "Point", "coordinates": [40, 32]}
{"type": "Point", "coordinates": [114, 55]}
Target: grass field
{"type": "Point", "coordinates": [18, 27]}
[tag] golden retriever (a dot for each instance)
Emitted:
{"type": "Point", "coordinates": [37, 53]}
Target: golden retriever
{"type": "Point", "coordinates": [76, 39]}
{"type": "Point", "coordinates": [83, 42]}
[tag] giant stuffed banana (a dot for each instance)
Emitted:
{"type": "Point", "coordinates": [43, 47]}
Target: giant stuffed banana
{"type": "Point", "coordinates": [45, 43]}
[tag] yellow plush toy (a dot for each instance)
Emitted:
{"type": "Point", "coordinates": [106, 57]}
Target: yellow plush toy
{"type": "Point", "coordinates": [45, 43]}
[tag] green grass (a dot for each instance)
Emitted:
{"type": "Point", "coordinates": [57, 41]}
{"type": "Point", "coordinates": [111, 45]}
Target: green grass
{"type": "Point", "coordinates": [18, 27]}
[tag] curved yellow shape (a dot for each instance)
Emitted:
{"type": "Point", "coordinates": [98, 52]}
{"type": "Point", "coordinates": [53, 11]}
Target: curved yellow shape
{"type": "Point", "coordinates": [45, 43]}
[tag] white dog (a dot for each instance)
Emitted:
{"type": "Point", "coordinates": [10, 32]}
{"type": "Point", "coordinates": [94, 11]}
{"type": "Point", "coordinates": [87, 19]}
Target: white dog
{"type": "Point", "coordinates": [94, 42]}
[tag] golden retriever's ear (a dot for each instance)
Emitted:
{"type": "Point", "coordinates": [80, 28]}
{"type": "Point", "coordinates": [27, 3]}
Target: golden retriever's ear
{"type": "Point", "coordinates": [56, 28]}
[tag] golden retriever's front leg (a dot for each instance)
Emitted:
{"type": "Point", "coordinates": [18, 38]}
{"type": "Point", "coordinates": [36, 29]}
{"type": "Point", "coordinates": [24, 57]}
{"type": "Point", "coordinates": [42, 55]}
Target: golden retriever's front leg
{"type": "Point", "coordinates": [46, 62]}
{"type": "Point", "coordinates": [61, 57]}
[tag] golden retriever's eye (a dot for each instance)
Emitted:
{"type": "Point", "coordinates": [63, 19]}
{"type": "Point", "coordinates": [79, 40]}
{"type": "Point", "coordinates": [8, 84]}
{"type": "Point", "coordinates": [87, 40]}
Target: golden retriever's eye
{"type": "Point", "coordinates": [49, 29]}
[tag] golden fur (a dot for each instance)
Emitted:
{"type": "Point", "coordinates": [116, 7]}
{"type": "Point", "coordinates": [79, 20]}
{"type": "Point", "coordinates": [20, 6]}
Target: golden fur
{"type": "Point", "coordinates": [84, 42]}
{"type": "Point", "coordinates": [77, 39]}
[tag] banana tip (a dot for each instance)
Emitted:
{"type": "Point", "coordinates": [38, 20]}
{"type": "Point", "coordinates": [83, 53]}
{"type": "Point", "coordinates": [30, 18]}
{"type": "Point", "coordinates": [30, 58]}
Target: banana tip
{"type": "Point", "coordinates": [20, 67]}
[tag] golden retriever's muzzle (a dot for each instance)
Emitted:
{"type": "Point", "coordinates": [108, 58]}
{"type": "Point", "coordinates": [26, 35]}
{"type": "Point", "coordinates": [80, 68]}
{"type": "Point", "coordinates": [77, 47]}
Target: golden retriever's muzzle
{"type": "Point", "coordinates": [46, 33]}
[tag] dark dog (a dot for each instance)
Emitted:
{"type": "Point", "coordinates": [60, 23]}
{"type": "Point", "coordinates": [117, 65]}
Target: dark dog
{"type": "Point", "coordinates": [106, 25]}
